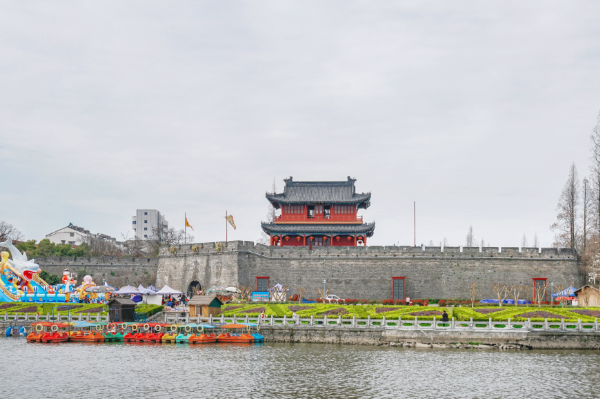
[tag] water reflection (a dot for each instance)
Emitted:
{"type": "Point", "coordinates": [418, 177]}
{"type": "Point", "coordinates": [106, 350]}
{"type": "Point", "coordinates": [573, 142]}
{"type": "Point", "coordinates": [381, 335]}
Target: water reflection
{"type": "Point", "coordinates": [85, 369]}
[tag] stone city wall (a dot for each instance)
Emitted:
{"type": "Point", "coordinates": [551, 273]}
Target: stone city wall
{"type": "Point", "coordinates": [117, 271]}
{"type": "Point", "coordinates": [366, 272]}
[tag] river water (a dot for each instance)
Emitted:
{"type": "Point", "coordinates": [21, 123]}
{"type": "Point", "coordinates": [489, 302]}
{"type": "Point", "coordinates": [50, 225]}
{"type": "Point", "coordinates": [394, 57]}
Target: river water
{"type": "Point", "coordinates": [81, 370]}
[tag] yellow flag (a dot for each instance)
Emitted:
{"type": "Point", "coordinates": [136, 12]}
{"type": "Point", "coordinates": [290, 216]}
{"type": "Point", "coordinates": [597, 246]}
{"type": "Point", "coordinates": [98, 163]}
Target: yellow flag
{"type": "Point", "coordinates": [230, 220]}
{"type": "Point", "coordinates": [187, 224]}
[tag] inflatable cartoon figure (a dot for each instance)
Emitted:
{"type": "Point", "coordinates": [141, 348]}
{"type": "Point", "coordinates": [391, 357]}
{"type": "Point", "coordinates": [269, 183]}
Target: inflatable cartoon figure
{"type": "Point", "coordinates": [67, 279]}
{"type": "Point", "coordinates": [87, 283]}
{"type": "Point", "coordinates": [20, 265]}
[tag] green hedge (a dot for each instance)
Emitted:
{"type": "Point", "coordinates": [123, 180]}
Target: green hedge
{"type": "Point", "coordinates": [44, 308]}
{"type": "Point", "coordinates": [150, 310]}
{"type": "Point", "coordinates": [76, 308]}
{"type": "Point", "coordinates": [464, 314]}
{"type": "Point", "coordinates": [405, 312]}
{"type": "Point", "coordinates": [318, 310]}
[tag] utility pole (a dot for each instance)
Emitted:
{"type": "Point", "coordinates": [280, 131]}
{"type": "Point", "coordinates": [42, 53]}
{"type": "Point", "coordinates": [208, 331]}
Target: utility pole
{"type": "Point", "coordinates": [415, 222]}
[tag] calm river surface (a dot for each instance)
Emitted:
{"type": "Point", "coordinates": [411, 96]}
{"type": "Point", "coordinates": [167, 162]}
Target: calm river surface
{"type": "Point", "coordinates": [79, 370]}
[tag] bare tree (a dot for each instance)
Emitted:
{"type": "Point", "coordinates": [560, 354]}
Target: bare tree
{"type": "Point", "coordinates": [536, 242]}
{"type": "Point", "coordinates": [501, 291]}
{"type": "Point", "coordinates": [586, 293]}
{"type": "Point", "coordinates": [595, 175]}
{"type": "Point", "coordinates": [245, 292]}
{"type": "Point", "coordinates": [134, 246]}
{"type": "Point", "coordinates": [591, 259]}
{"type": "Point", "coordinates": [445, 242]}
{"type": "Point", "coordinates": [323, 292]}
{"type": "Point", "coordinates": [301, 292]}
{"type": "Point", "coordinates": [473, 292]}
{"type": "Point", "coordinates": [565, 227]}
{"type": "Point", "coordinates": [524, 241]}
{"type": "Point", "coordinates": [586, 217]}
{"type": "Point", "coordinates": [431, 243]}
{"type": "Point", "coordinates": [515, 292]}
{"type": "Point", "coordinates": [470, 238]}
{"type": "Point", "coordinates": [482, 243]}
{"type": "Point", "coordinates": [271, 214]}
{"type": "Point", "coordinates": [540, 294]}
{"type": "Point", "coordinates": [8, 230]}
{"type": "Point", "coordinates": [167, 237]}
{"type": "Point", "coordinates": [558, 287]}
{"type": "Point", "coordinates": [103, 246]}
{"type": "Point", "coordinates": [528, 293]}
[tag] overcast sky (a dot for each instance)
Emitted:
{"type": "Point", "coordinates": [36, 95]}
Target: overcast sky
{"type": "Point", "coordinates": [474, 110]}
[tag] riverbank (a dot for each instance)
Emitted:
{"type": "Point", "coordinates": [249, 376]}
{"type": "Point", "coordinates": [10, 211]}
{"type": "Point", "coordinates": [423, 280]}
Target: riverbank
{"type": "Point", "coordinates": [423, 338]}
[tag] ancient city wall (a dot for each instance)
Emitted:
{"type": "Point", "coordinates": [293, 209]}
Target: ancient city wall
{"type": "Point", "coordinates": [117, 271]}
{"type": "Point", "coordinates": [366, 272]}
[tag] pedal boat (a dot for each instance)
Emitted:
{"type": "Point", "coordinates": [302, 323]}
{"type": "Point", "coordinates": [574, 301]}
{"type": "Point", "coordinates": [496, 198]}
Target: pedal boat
{"type": "Point", "coordinates": [54, 335]}
{"type": "Point", "coordinates": [254, 331]}
{"type": "Point", "coordinates": [116, 333]}
{"type": "Point", "coordinates": [83, 332]}
{"type": "Point", "coordinates": [170, 337]}
{"type": "Point", "coordinates": [153, 333]}
{"type": "Point", "coordinates": [199, 337]}
{"type": "Point", "coordinates": [240, 337]}
{"type": "Point", "coordinates": [39, 328]}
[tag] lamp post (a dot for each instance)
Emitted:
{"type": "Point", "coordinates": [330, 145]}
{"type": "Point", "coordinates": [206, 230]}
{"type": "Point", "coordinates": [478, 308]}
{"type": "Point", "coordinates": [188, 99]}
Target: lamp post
{"type": "Point", "coordinates": [552, 293]}
{"type": "Point", "coordinates": [324, 288]}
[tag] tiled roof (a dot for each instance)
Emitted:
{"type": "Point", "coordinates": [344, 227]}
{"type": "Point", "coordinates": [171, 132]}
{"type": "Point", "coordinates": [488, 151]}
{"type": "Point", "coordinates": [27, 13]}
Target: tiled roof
{"type": "Point", "coordinates": [320, 192]}
{"type": "Point", "coordinates": [272, 228]}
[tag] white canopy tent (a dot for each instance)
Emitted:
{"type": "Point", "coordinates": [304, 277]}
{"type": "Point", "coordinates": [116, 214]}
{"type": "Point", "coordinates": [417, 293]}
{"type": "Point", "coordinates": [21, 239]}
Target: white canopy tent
{"type": "Point", "coordinates": [127, 290]}
{"type": "Point", "coordinates": [149, 296]}
{"type": "Point", "coordinates": [166, 290]}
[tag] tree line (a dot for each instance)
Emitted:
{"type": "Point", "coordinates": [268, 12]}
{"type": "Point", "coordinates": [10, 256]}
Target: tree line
{"type": "Point", "coordinates": [577, 224]}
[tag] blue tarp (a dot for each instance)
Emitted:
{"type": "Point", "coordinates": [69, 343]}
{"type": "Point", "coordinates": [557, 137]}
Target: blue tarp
{"type": "Point", "coordinates": [307, 301]}
{"type": "Point", "coordinates": [507, 301]}
{"type": "Point", "coordinates": [568, 292]}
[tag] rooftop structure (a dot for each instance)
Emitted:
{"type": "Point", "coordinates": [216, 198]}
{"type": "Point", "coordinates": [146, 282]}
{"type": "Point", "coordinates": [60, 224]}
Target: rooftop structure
{"type": "Point", "coordinates": [317, 213]}
{"type": "Point", "coordinates": [75, 235]}
{"type": "Point", "coordinates": [146, 222]}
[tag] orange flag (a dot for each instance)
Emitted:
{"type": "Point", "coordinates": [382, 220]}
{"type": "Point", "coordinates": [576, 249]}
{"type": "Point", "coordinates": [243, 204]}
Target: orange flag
{"type": "Point", "coordinates": [230, 220]}
{"type": "Point", "coordinates": [187, 224]}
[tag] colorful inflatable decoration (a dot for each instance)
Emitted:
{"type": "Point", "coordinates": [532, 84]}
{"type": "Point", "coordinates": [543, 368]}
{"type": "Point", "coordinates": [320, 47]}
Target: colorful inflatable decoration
{"type": "Point", "coordinates": [67, 279]}
{"type": "Point", "coordinates": [87, 283]}
{"type": "Point", "coordinates": [26, 270]}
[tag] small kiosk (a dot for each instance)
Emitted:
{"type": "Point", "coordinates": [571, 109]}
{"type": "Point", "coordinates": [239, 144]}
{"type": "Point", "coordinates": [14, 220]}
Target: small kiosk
{"type": "Point", "coordinates": [205, 305]}
{"type": "Point", "coordinates": [121, 310]}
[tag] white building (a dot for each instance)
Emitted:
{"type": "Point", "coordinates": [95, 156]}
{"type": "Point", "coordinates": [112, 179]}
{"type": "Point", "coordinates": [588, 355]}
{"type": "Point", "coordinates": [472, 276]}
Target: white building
{"type": "Point", "coordinates": [75, 235]}
{"type": "Point", "coordinates": [146, 221]}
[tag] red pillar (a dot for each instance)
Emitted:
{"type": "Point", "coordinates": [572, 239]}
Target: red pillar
{"type": "Point", "coordinates": [271, 239]}
{"type": "Point", "coordinates": [355, 240]}
{"type": "Point", "coordinates": [304, 240]}
{"type": "Point", "coordinates": [365, 240]}
{"type": "Point", "coordinates": [331, 241]}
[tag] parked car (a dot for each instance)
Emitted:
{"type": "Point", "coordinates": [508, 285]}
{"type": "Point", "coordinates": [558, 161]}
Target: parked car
{"type": "Point", "coordinates": [334, 299]}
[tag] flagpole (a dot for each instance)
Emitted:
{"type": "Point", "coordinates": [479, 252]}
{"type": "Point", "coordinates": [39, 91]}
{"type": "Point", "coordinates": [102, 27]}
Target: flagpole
{"type": "Point", "coordinates": [185, 238]}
